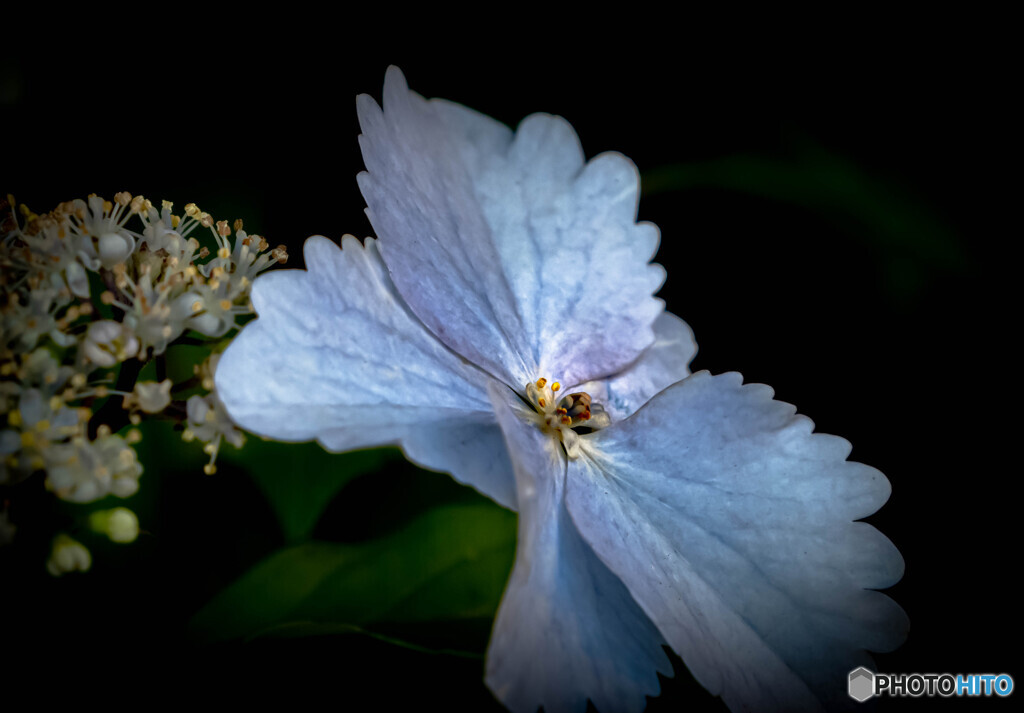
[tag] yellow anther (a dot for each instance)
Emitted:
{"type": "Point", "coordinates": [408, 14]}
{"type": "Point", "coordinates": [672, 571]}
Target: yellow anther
{"type": "Point", "coordinates": [566, 420]}
{"type": "Point", "coordinates": [107, 297]}
{"type": "Point", "coordinates": [102, 391]}
{"type": "Point", "coordinates": [191, 209]}
{"type": "Point", "coordinates": [542, 402]}
{"type": "Point", "coordinates": [209, 469]}
{"type": "Point", "coordinates": [556, 386]}
{"type": "Point", "coordinates": [175, 221]}
{"type": "Point", "coordinates": [14, 418]}
{"type": "Point", "coordinates": [187, 435]}
{"type": "Point", "coordinates": [123, 198]}
{"type": "Point", "coordinates": [209, 449]}
{"type": "Point", "coordinates": [103, 430]}
{"type": "Point", "coordinates": [224, 253]}
{"type": "Point", "coordinates": [42, 425]}
{"type": "Point", "coordinates": [55, 403]}
{"type": "Point", "coordinates": [197, 306]}
{"type": "Point", "coordinates": [225, 305]}
{"type": "Point", "coordinates": [107, 206]}
{"type": "Point", "coordinates": [541, 382]}
{"type": "Point", "coordinates": [561, 411]}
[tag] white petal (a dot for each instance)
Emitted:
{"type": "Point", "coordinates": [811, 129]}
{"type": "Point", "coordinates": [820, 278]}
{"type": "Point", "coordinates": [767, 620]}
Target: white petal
{"type": "Point", "coordinates": [731, 525]}
{"type": "Point", "coordinates": [114, 248]}
{"type": "Point", "coordinates": [335, 355]}
{"type": "Point", "coordinates": [78, 281]}
{"type": "Point", "coordinates": [662, 364]}
{"type": "Point", "coordinates": [567, 629]}
{"type": "Point", "coordinates": [513, 251]}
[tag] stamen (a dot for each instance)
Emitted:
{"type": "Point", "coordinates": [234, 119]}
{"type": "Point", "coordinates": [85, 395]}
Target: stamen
{"type": "Point", "coordinates": [560, 417]}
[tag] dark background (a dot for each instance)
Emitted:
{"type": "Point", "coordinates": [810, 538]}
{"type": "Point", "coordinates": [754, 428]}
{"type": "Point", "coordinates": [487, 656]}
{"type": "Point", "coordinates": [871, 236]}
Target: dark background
{"type": "Point", "coordinates": [837, 230]}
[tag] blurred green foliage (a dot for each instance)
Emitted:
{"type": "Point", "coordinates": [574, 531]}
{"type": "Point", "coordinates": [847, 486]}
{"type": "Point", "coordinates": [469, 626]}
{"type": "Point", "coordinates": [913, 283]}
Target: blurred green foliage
{"type": "Point", "coordinates": [300, 479]}
{"type": "Point", "coordinates": [449, 563]}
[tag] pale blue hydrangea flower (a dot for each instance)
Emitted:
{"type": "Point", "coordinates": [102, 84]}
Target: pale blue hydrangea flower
{"type": "Point", "coordinates": [691, 510]}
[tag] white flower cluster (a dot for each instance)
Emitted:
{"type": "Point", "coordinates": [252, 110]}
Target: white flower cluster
{"type": "Point", "coordinates": [208, 419]}
{"type": "Point", "coordinates": [91, 291]}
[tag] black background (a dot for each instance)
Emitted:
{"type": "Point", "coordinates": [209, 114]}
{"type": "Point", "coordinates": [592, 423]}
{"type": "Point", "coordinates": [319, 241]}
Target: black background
{"type": "Point", "coordinates": [900, 346]}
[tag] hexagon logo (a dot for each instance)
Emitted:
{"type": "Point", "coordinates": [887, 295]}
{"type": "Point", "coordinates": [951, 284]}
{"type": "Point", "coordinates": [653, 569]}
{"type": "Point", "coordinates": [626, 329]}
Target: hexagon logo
{"type": "Point", "coordinates": [862, 684]}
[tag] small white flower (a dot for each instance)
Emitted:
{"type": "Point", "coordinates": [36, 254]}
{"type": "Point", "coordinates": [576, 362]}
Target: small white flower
{"type": "Point", "coordinates": [82, 471]}
{"type": "Point", "coordinates": [41, 369]}
{"type": "Point", "coordinates": [208, 421]}
{"type": "Point", "coordinates": [150, 396]}
{"type": "Point", "coordinates": [41, 427]}
{"type": "Point", "coordinates": [98, 225]}
{"type": "Point", "coordinates": [108, 342]}
{"type": "Point", "coordinates": [24, 325]}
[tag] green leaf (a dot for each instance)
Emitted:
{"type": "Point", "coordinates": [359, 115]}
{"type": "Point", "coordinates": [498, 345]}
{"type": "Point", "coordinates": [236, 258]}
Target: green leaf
{"type": "Point", "coordinates": [450, 563]}
{"type": "Point", "coordinates": [300, 479]}
{"type": "Point", "coordinates": [303, 629]}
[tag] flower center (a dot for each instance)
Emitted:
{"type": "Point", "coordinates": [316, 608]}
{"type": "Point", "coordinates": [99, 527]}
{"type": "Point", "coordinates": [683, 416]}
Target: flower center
{"type": "Point", "coordinates": [564, 417]}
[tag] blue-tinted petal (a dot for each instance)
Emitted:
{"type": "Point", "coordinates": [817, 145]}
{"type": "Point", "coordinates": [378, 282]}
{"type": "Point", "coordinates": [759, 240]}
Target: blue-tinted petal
{"type": "Point", "coordinates": [518, 255]}
{"type": "Point", "coordinates": [336, 355]}
{"type": "Point", "coordinates": [662, 364]}
{"type": "Point", "coordinates": [567, 629]}
{"type": "Point", "coordinates": [731, 525]}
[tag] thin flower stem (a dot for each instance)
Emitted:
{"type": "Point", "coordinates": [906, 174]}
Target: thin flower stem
{"type": "Point", "coordinates": [111, 413]}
